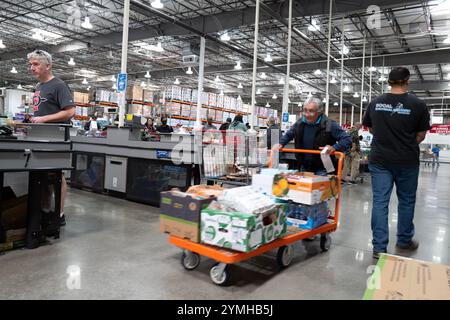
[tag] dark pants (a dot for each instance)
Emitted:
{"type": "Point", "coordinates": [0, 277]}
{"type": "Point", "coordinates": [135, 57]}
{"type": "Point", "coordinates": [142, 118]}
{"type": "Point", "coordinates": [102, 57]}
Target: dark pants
{"type": "Point", "coordinates": [383, 179]}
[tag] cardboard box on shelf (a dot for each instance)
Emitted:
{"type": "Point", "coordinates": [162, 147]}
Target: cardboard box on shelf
{"type": "Point", "coordinates": [233, 103]}
{"type": "Point", "coordinates": [147, 95]}
{"type": "Point", "coordinates": [78, 97]}
{"type": "Point", "coordinates": [212, 99]}
{"type": "Point", "coordinates": [220, 101]}
{"type": "Point", "coordinates": [175, 109]}
{"type": "Point", "coordinates": [306, 217]}
{"type": "Point", "coordinates": [186, 111]}
{"type": "Point", "coordinates": [204, 113]}
{"type": "Point", "coordinates": [239, 231]}
{"type": "Point", "coordinates": [305, 187]}
{"type": "Point", "coordinates": [219, 116]}
{"type": "Point", "coordinates": [227, 102]}
{"type": "Point", "coordinates": [194, 96]}
{"type": "Point", "coordinates": [212, 114]}
{"type": "Point", "coordinates": [173, 93]}
{"type": "Point", "coordinates": [186, 95]}
{"type": "Point", "coordinates": [399, 278]}
{"type": "Point", "coordinates": [180, 214]}
{"type": "Point", "coordinates": [205, 98]}
{"type": "Point", "coordinates": [135, 93]}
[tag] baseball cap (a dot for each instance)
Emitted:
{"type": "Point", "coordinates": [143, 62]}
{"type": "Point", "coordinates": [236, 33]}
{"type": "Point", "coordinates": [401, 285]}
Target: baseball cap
{"type": "Point", "coordinates": [399, 75]}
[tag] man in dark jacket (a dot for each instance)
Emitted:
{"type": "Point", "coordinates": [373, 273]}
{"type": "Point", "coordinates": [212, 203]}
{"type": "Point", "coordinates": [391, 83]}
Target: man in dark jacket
{"type": "Point", "coordinates": [226, 125]}
{"type": "Point", "coordinates": [272, 128]}
{"type": "Point", "coordinates": [313, 132]}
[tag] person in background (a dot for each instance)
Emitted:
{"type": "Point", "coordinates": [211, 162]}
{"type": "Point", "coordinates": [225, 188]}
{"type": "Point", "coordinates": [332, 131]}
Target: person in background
{"type": "Point", "coordinates": [399, 122]}
{"type": "Point", "coordinates": [272, 128]}
{"type": "Point", "coordinates": [52, 102]}
{"type": "Point", "coordinates": [436, 151]}
{"type": "Point", "coordinates": [27, 118]}
{"type": "Point", "coordinates": [209, 124]}
{"type": "Point", "coordinates": [164, 127]}
{"type": "Point", "coordinates": [353, 158]}
{"type": "Point", "coordinates": [226, 125]}
{"type": "Point", "coordinates": [248, 126]}
{"type": "Point", "coordinates": [150, 132]}
{"type": "Point", "coordinates": [237, 124]}
{"type": "Point", "coordinates": [91, 124]}
{"type": "Point", "coordinates": [314, 131]}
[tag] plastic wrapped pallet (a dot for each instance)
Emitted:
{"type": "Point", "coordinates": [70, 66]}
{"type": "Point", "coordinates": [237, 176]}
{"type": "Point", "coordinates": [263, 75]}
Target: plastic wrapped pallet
{"type": "Point", "coordinates": [204, 113]}
{"type": "Point", "coordinates": [194, 98]}
{"type": "Point", "coordinates": [220, 101]}
{"type": "Point", "coordinates": [135, 93]}
{"type": "Point", "coordinates": [186, 111]}
{"type": "Point", "coordinates": [212, 99]}
{"type": "Point", "coordinates": [148, 96]}
{"type": "Point", "coordinates": [233, 103]}
{"type": "Point", "coordinates": [186, 95]}
{"type": "Point", "coordinates": [205, 98]}
{"type": "Point", "coordinates": [173, 93]}
{"type": "Point", "coordinates": [239, 105]}
{"type": "Point", "coordinates": [212, 114]}
{"type": "Point", "coordinates": [219, 116]}
{"type": "Point", "coordinates": [227, 103]}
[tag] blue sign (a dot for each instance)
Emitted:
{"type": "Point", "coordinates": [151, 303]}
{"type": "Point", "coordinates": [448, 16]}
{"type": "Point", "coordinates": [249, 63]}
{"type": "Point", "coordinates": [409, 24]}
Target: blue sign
{"type": "Point", "coordinates": [285, 117]}
{"type": "Point", "coordinates": [162, 154]}
{"type": "Point", "coordinates": [122, 82]}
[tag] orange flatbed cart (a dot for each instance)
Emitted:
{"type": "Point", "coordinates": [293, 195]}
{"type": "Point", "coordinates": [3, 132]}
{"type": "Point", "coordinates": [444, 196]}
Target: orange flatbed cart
{"type": "Point", "coordinates": [219, 275]}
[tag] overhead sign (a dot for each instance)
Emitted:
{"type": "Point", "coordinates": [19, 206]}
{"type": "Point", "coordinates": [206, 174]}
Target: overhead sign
{"type": "Point", "coordinates": [122, 82]}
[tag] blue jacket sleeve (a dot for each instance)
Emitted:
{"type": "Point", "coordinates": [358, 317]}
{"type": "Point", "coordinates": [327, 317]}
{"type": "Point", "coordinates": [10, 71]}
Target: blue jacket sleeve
{"type": "Point", "coordinates": [289, 135]}
{"type": "Point", "coordinates": [344, 140]}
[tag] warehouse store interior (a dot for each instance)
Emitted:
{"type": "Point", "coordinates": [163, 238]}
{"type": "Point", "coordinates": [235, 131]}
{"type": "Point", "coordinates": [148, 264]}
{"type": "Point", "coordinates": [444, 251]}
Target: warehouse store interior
{"type": "Point", "coordinates": [175, 111]}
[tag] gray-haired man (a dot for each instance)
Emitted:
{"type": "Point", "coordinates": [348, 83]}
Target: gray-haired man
{"type": "Point", "coordinates": [313, 132]}
{"type": "Point", "coordinates": [52, 102]}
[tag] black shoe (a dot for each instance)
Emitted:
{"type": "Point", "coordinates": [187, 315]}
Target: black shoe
{"type": "Point", "coordinates": [62, 221]}
{"type": "Point", "coordinates": [412, 245]}
{"type": "Point", "coordinates": [376, 255]}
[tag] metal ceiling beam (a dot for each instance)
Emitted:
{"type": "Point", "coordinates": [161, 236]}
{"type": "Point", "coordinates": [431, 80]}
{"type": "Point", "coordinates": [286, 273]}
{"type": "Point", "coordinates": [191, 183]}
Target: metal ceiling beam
{"type": "Point", "coordinates": [209, 24]}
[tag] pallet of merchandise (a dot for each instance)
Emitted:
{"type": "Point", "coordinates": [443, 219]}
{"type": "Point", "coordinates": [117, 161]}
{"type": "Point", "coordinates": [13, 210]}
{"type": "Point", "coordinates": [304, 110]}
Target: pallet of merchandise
{"type": "Point", "coordinates": [245, 107]}
{"type": "Point", "coordinates": [147, 95]}
{"type": "Point", "coordinates": [175, 109]}
{"type": "Point", "coordinates": [186, 111]}
{"type": "Point", "coordinates": [212, 114]}
{"type": "Point", "coordinates": [227, 103]}
{"type": "Point", "coordinates": [233, 103]}
{"type": "Point", "coordinates": [239, 105]}
{"type": "Point", "coordinates": [173, 93]}
{"type": "Point", "coordinates": [212, 99]}
{"type": "Point", "coordinates": [135, 109]}
{"type": "Point", "coordinates": [204, 113]}
{"type": "Point", "coordinates": [194, 98]}
{"type": "Point", "coordinates": [205, 98]}
{"type": "Point", "coordinates": [219, 116]}
{"type": "Point", "coordinates": [225, 116]}
{"type": "Point", "coordinates": [186, 95]}
{"type": "Point", "coordinates": [220, 101]}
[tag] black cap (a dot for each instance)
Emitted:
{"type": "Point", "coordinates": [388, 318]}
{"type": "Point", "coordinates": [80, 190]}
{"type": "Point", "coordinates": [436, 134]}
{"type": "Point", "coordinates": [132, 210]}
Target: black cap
{"type": "Point", "coordinates": [399, 75]}
{"type": "Point", "coordinates": [229, 120]}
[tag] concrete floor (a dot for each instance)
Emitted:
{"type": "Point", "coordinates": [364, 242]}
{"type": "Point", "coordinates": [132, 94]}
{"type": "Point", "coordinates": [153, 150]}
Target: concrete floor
{"type": "Point", "coordinates": [122, 255]}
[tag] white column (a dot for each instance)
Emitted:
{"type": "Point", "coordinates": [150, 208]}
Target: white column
{"type": "Point", "coordinates": [285, 107]}
{"type": "Point", "coordinates": [255, 66]}
{"type": "Point", "coordinates": [353, 115]}
{"type": "Point", "coordinates": [371, 72]}
{"type": "Point", "coordinates": [123, 68]}
{"type": "Point", "coordinates": [362, 79]}
{"type": "Point", "coordinates": [198, 121]}
{"type": "Point", "coordinates": [342, 73]}
{"type": "Point", "coordinates": [327, 93]}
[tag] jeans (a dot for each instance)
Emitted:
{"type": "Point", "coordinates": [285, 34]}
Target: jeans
{"type": "Point", "coordinates": [383, 179]}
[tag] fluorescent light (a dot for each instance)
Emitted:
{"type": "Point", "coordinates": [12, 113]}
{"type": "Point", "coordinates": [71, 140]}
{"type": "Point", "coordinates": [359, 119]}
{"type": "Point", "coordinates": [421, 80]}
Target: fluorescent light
{"type": "Point", "coordinates": [274, 96]}
{"type": "Point", "coordinates": [189, 71]}
{"type": "Point", "coordinates": [318, 72]}
{"type": "Point", "coordinates": [87, 23]}
{"type": "Point", "coordinates": [177, 81]}
{"type": "Point", "coordinates": [259, 90]}
{"type": "Point", "coordinates": [344, 50]}
{"type": "Point", "coordinates": [300, 104]}
{"type": "Point", "coordinates": [382, 79]}
{"type": "Point", "coordinates": [346, 89]}
{"type": "Point", "coordinates": [447, 40]}
{"type": "Point", "coordinates": [314, 26]}
{"type": "Point", "coordinates": [238, 66]}
{"type": "Point", "coordinates": [225, 37]}
{"type": "Point", "coordinates": [217, 79]}
{"type": "Point", "coordinates": [240, 86]}
{"type": "Point", "coordinates": [37, 35]}
{"type": "Point", "coordinates": [324, 100]}
{"type": "Point", "coordinates": [449, 84]}
{"type": "Point", "coordinates": [310, 95]}
{"type": "Point", "coordinates": [113, 78]}
{"type": "Point", "coordinates": [372, 69]}
{"type": "Point", "coordinates": [19, 87]}
{"type": "Point", "coordinates": [221, 93]}
{"type": "Point", "coordinates": [333, 80]}
{"type": "Point", "coordinates": [263, 75]}
{"type": "Point", "coordinates": [71, 62]}
{"type": "Point", "coordinates": [84, 81]}
{"type": "Point", "coordinates": [147, 75]}
{"type": "Point", "coordinates": [281, 81]}
{"type": "Point", "coordinates": [13, 70]}
{"type": "Point", "coordinates": [356, 95]}
{"type": "Point", "coordinates": [268, 58]}
{"type": "Point", "coordinates": [159, 47]}
{"type": "Point", "coordinates": [157, 4]}
{"type": "Point", "coordinates": [2, 46]}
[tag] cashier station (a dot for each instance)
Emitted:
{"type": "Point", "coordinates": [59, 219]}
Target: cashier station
{"type": "Point", "coordinates": [43, 151]}
{"type": "Point", "coordinates": [123, 165]}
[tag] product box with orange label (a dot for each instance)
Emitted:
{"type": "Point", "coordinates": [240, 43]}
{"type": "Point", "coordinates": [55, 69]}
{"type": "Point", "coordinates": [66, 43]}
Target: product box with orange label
{"type": "Point", "coordinates": [305, 187]}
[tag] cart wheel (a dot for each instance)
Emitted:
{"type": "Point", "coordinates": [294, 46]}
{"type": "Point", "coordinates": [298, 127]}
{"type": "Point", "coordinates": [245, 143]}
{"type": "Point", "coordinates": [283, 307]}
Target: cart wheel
{"type": "Point", "coordinates": [220, 274]}
{"type": "Point", "coordinates": [284, 256]}
{"type": "Point", "coordinates": [190, 260]}
{"type": "Point", "coordinates": [325, 242]}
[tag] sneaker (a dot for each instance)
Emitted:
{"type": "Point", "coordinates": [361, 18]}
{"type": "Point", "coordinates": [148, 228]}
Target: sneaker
{"type": "Point", "coordinates": [62, 221]}
{"type": "Point", "coordinates": [412, 245]}
{"type": "Point", "coordinates": [376, 254]}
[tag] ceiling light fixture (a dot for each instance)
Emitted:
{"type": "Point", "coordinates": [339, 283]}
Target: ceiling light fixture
{"type": "Point", "coordinates": [217, 79]}
{"type": "Point", "coordinates": [37, 35]}
{"type": "Point", "coordinates": [13, 70]}
{"type": "Point", "coordinates": [336, 104]}
{"type": "Point", "coordinates": [2, 46]}
{"type": "Point", "coordinates": [274, 97]}
{"type": "Point", "coordinates": [346, 89]}
{"type": "Point", "coordinates": [157, 4]}
{"type": "Point", "coordinates": [382, 79]}
{"type": "Point", "coordinates": [364, 99]}
{"type": "Point", "coordinates": [71, 62]}
{"type": "Point", "coordinates": [143, 85]}
{"type": "Point", "coordinates": [345, 50]}
{"type": "Point", "coordinates": [310, 95]}
{"type": "Point", "coordinates": [88, 88]}
{"type": "Point", "coordinates": [147, 75]}
{"type": "Point", "coordinates": [356, 95]}
{"type": "Point", "coordinates": [238, 66]}
{"type": "Point", "coordinates": [314, 26]}
{"type": "Point", "coordinates": [84, 81]}
{"type": "Point", "coordinates": [177, 81]}
{"type": "Point", "coordinates": [300, 104]}
{"type": "Point", "coordinates": [324, 100]}
{"type": "Point", "coordinates": [239, 98]}
{"type": "Point", "coordinates": [263, 75]}
{"type": "Point", "coordinates": [333, 80]}
{"type": "Point", "coordinates": [318, 72]}
{"type": "Point", "coordinates": [221, 93]}
{"type": "Point", "coordinates": [114, 87]}
{"type": "Point", "coordinates": [240, 86]}
{"type": "Point", "coordinates": [268, 58]}
{"type": "Point", "coordinates": [189, 71]}
{"type": "Point", "coordinates": [372, 69]}
{"type": "Point", "coordinates": [225, 37]}
{"type": "Point", "coordinates": [19, 87]}
{"type": "Point", "coordinates": [281, 81]}
{"type": "Point", "coordinates": [259, 90]}
{"type": "Point", "coordinates": [87, 23]}
{"type": "Point", "coordinates": [113, 78]}
{"type": "Point", "coordinates": [267, 105]}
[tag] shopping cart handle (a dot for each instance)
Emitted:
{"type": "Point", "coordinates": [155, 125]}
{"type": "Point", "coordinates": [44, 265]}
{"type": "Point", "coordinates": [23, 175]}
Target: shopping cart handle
{"type": "Point", "coordinates": [339, 154]}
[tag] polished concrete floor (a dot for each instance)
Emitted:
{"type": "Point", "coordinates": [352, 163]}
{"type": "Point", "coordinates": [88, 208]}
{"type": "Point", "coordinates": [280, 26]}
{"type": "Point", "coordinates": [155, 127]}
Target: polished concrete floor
{"type": "Point", "coordinates": [120, 254]}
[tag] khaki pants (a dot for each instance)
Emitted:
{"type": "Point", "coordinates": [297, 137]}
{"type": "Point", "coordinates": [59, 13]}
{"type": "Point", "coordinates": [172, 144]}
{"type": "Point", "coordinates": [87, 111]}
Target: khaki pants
{"type": "Point", "coordinates": [351, 163]}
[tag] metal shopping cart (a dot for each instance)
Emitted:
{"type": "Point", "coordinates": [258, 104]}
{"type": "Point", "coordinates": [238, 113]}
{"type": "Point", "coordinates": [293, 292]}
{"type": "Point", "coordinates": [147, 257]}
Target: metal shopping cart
{"type": "Point", "coordinates": [220, 274]}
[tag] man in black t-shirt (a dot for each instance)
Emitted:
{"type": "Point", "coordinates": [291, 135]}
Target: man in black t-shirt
{"type": "Point", "coordinates": [52, 102]}
{"type": "Point", "coordinates": [399, 122]}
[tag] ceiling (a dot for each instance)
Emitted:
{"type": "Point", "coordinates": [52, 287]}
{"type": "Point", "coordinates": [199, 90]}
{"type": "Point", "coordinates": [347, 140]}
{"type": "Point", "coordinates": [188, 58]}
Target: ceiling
{"type": "Point", "coordinates": [411, 33]}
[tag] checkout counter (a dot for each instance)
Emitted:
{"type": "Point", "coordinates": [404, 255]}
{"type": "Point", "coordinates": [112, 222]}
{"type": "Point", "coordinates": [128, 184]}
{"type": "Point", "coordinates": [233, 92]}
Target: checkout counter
{"type": "Point", "coordinates": [123, 165]}
{"type": "Point", "coordinates": [38, 150]}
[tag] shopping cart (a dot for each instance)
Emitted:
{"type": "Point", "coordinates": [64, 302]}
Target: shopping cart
{"type": "Point", "coordinates": [220, 274]}
{"type": "Point", "coordinates": [427, 157]}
